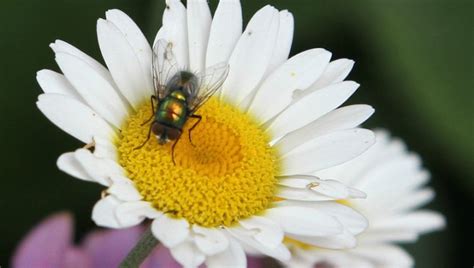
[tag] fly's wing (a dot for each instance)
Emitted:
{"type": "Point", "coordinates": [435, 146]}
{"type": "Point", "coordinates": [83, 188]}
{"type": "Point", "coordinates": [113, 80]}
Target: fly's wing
{"type": "Point", "coordinates": [210, 81]}
{"type": "Point", "coordinates": [164, 66]}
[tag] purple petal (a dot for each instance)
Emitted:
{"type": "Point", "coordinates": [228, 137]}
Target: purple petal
{"type": "Point", "coordinates": [46, 244]}
{"type": "Point", "coordinates": [161, 257]}
{"type": "Point", "coordinates": [108, 248]}
{"type": "Point", "coordinates": [254, 262]}
{"type": "Point", "coordinates": [76, 258]}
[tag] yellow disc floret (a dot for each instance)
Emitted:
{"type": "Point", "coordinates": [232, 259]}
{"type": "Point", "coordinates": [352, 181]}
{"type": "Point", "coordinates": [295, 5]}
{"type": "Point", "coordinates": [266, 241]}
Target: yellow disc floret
{"type": "Point", "coordinates": [226, 174]}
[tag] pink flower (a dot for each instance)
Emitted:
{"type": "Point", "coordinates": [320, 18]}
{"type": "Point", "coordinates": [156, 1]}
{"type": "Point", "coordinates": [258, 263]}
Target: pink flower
{"type": "Point", "coordinates": [50, 245]}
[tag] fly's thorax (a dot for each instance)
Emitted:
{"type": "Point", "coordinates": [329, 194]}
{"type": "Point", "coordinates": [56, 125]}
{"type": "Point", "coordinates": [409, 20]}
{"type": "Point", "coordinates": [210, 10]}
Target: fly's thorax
{"type": "Point", "coordinates": [178, 94]}
{"type": "Point", "coordinates": [172, 111]}
{"type": "Point", "coordinates": [183, 81]}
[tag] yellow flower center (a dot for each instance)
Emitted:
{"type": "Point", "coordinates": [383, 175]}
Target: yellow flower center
{"type": "Point", "coordinates": [228, 175]}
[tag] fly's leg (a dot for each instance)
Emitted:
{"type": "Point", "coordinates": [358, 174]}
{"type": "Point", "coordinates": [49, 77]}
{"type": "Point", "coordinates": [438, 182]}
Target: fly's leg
{"type": "Point", "coordinates": [152, 98]}
{"type": "Point", "coordinates": [147, 138]}
{"type": "Point", "coordinates": [172, 149]}
{"type": "Point", "coordinates": [198, 117]}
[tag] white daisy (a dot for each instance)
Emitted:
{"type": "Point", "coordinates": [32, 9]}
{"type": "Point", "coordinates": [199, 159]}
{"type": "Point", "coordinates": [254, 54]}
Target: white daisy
{"type": "Point", "coordinates": [239, 185]}
{"type": "Point", "coordinates": [394, 182]}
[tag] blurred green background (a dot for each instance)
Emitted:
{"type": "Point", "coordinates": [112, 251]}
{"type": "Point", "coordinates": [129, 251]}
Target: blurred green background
{"type": "Point", "coordinates": [413, 58]}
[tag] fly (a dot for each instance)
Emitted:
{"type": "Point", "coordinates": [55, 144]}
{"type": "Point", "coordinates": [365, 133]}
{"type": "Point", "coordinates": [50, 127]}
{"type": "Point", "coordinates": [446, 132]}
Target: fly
{"type": "Point", "coordinates": [178, 94]}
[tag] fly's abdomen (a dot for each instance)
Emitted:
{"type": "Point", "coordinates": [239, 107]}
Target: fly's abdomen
{"type": "Point", "coordinates": [172, 112]}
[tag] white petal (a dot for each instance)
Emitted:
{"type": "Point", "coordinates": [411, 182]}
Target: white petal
{"type": "Point", "coordinates": [199, 24]}
{"type": "Point", "coordinates": [68, 163]}
{"type": "Point", "coordinates": [159, 35]}
{"type": "Point", "coordinates": [135, 38]}
{"type": "Point", "coordinates": [74, 117]}
{"type": "Point", "coordinates": [355, 193]}
{"type": "Point", "coordinates": [133, 213]}
{"type": "Point", "coordinates": [104, 148]}
{"type": "Point", "coordinates": [331, 189]}
{"type": "Point", "coordinates": [369, 164]}
{"type": "Point", "coordinates": [304, 221]}
{"type": "Point", "coordinates": [339, 258]}
{"type": "Point", "coordinates": [399, 174]}
{"type": "Point", "coordinates": [335, 72]}
{"type": "Point", "coordinates": [62, 47]}
{"type": "Point", "coordinates": [188, 255]}
{"type": "Point", "coordinates": [413, 200]}
{"type": "Point", "coordinates": [301, 194]}
{"type": "Point", "coordinates": [125, 191]}
{"type": "Point", "coordinates": [311, 107]}
{"type": "Point", "coordinates": [210, 240]}
{"type": "Point", "coordinates": [169, 231]}
{"type": "Point", "coordinates": [232, 257]}
{"type": "Point", "coordinates": [352, 221]}
{"type": "Point", "coordinates": [102, 170]}
{"type": "Point", "coordinates": [175, 30]}
{"type": "Point", "coordinates": [53, 82]}
{"type": "Point", "coordinates": [343, 118]}
{"type": "Point", "coordinates": [264, 230]}
{"type": "Point", "coordinates": [132, 77]}
{"type": "Point", "coordinates": [421, 221]}
{"type": "Point", "coordinates": [103, 213]}
{"type": "Point", "coordinates": [326, 151]}
{"type": "Point", "coordinates": [95, 90]}
{"type": "Point", "coordinates": [226, 29]}
{"type": "Point", "coordinates": [280, 252]}
{"type": "Point", "coordinates": [298, 181]}
{"type": "Point", "coordinates": [251, 251]}
{"type": "Point", "coordinates": [343, 240]}
{"type": "Point", "coordinates": [377, 236]}
{"type": "Point", "coordinates": [298, 72]}
{"type": "Point", "coordinates": [251, 55]}
{"type": "Point", "coordinates": [385, 254]}
{"type": "Point", "coordinates": [413, 177]}
{"type": "Point", "coordinates": [284, 40]}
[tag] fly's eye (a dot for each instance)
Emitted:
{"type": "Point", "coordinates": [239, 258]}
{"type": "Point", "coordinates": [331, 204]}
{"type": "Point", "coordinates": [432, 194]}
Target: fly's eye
{"type": "Point", "coordinates": [157, 129]}
{"type": "Point", "coordinates": [173, 134]}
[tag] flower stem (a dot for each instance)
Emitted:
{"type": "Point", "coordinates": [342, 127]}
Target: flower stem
{"type": "Point", "coordinates": [141, 250]}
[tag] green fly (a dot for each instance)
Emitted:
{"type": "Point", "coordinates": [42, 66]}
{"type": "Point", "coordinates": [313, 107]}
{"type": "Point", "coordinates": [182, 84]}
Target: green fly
{"type": "Point", "coordinates": [179, 93]}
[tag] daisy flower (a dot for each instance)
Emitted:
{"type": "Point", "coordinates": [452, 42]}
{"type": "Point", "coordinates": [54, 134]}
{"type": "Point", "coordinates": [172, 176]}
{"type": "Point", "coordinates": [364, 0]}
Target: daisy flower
{"type": "Point", "coordinates": [98, 249]}
{"type": "Point", "coordinates": [242, 181]}
{"type": "Point", "coordinates": [394, 183]}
